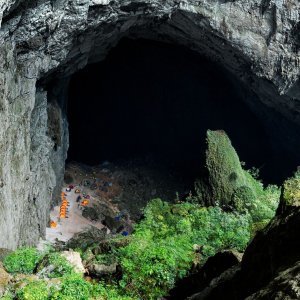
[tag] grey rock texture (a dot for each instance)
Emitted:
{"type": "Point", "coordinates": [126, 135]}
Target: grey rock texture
{"type": "Point", "coordinates": [101, 270]}
{"type": "Point", "coordinates": [285, 286]}
{"type": "Point", "coordinates": [201, 277]}
{"type": "Point", "coordinates": [40, 40]}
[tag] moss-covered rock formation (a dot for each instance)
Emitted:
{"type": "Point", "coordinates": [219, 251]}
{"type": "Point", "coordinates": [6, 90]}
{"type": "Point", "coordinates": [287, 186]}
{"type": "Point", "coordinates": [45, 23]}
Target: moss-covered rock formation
{"type": "Point", "coordinates": [227, 184]}
{"type": "Point", "coordinates": [226, 181]}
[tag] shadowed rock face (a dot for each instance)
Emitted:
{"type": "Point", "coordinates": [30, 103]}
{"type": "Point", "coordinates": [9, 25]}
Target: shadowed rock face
{"type": "Point", "coordinates": [40, 40]}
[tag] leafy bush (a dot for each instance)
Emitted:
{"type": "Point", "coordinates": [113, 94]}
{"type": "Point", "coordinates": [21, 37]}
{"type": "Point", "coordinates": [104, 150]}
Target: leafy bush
{"type": "Point", "coordinates": [23, 260]}
{"type": "Point", "coordinates": [264, 206]}
{"type": "Point", "coordinates": [105, 291]}
{"type": "Point", "coordinates": [291, 190]}
{"type": "Point", "coordinates": [60, 264]}
{"type": "Point", "coordinates": [161, 249]}
{"type": "Point", "coordinates": [7, 296]}
{"type": "Point", "coordinates": [72, 287]}
{"type": "Point", "coordinates": [216, 230]}
{"type": "Point", "coordinates": [35, 290]}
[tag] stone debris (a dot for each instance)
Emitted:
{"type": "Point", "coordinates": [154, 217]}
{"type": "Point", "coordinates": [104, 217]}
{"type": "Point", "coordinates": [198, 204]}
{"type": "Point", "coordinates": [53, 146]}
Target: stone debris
{"type": "Point", "coordinates": [101, 269]}
{"type": "Point", "coordinates": [4, 279]}
{"type": "Point", "coordinates": [75, 260]}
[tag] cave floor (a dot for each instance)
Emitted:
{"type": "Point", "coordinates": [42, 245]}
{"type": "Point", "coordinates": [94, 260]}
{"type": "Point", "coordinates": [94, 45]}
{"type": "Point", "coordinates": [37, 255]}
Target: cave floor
{"type": "Point", "coordinates": [113, 189]}
{"type": "Point", "coordinates": [87, 181]}
{"type": "Point", "coordinates": [74, 223]}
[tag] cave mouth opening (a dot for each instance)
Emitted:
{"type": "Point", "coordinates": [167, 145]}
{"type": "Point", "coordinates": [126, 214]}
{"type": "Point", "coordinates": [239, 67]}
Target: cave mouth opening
{"type": "Point", "coordinates": [152, 103]}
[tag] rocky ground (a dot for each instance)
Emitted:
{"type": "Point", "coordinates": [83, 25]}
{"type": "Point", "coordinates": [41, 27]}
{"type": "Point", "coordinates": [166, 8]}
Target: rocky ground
{"type": "Point", "coordinates": [117, 194]}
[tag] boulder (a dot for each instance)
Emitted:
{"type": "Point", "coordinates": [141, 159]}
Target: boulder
{"type": "Point", "coordinates": [90, 213]}
{"type": "Point", "coordinates": [113, 224]}
{"type": "Point", "coordinates": [100, 270]}
{"type": "Point", "coordinates": [75, 260]}
{"type": "Point", "coordinates": [285, 286]}
{"type": "Point", "coordinates": [4, 280]}
{"type": "Point", "coordinates": [200, 278]}
{"type": "Point", "coordinates": [220, 287]}
{"type": "Point", "coordinates": [87, 238]}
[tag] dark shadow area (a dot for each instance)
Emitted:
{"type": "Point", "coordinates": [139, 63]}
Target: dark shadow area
{"type": "Point", "coordinates": [149, 99]}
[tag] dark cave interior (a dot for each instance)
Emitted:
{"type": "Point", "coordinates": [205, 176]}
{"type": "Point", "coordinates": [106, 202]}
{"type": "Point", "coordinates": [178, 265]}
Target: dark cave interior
{"type": "Point", "coordinates": [150, 99]}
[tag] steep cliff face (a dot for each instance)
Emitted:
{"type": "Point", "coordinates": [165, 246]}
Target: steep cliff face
{"type": "Point", "coordinates": [42, 39]}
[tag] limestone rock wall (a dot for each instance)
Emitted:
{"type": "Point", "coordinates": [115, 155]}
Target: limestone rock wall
{"type": "Point", "coordinates": [24, 167]}
{"type": "Point", "coordinates": [257, 40]}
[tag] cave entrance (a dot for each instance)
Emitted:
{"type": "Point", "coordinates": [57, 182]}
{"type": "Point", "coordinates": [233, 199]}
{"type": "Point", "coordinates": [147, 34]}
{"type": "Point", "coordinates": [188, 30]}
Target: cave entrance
{"type": "Point", "coordinates": [153, 102]}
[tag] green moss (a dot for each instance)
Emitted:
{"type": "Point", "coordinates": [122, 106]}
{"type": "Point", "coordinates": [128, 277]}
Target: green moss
{"type": "Point", "coordinates": [72, 287]}
{"type": "Point", "coordinates": [224, 170]}
{"type": "Point", "coordinates": [106, 258]}
{"type": "Point", "coordinates": [228, 184]}
{"type": "Point", "coordinates": [242, 199]}
{"type": "Point", "coordinates": [291, 191]}
{"type": "Point", "coordinates": [258, 226]}
{"type": "Point", "coordinates": [161, 249]}
{"type": "Point", "coordinates": [59, 266]}
{"type": "Point", "coordinates": [35, 290]}
{"type": "Point", "coordinates": [8, 296]}
{"type": "Point", "coordinates": [23, 260]}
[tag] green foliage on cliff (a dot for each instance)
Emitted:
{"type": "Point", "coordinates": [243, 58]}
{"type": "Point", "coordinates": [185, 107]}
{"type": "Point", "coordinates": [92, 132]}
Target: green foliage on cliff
{"type": "Point", "coordinates": [161, 249]}
{"type": "Point", "coordinates": [61, 266]}
{"type": "Point", "coordinates": [171, 238]}
{"type": "Point", "coordinates": [72, 287]}
{"type": "Point", "coordinates": [224, 171]}
{"type": "Point", "coordinates": [23, 260]}
{"type": "Point", "coordinates": [35, 290]}
{"type": "Point", "coordinates": [229, 185]}
{"type": "Point", "coordinates": [291, 191]}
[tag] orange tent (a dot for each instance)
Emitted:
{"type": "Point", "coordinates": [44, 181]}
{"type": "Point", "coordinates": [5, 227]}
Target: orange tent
{"type": "Point", "coordinates": [85, 202]}
{"type": "Point", "coordinates": [53, 224]}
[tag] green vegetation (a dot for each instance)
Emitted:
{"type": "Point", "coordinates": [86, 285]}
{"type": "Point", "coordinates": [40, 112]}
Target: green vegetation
{"type": "Point", "coordinates": [73, 287]}
{"type": "Point", "coordinates": [61, 266]}
{"type": "Point", "coordinates": [224, 171]}
{"type": "Point", "coordinates": [229, 206]}
{"type": "Point", "coordinates": [23, 260]}
{"type": "Point", "coordinates": [161, 249]}
{"type": "Point", "coordinates": [227, 184]}
{"type": "Point", "coordinates": [291, 191]}
{"type": "Point", "coordinates": [8, 296]}
{"type": "Point", "coordinates": [35, 290]}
